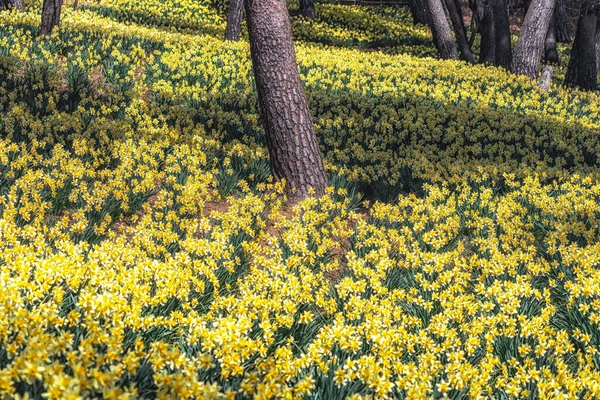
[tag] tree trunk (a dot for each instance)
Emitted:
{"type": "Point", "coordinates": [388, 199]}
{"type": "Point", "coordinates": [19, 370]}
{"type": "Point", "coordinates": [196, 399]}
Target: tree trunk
{"type": "Point", "coordinates": [551, 53]}
{"type": "Point", "coordinates": [293, 147]}
{"type": "Point", "coordinates": [530, 46]}
{"type": "Point", "coordinates": [503, 49]}
{"type": "Point", "coordinates": [546, 78]}
{"type": "Point", "coordinates": [562, 22]}
{"type": "Point", "coordinates": [582, 71]}
{"type": "Point", "coordinates": [418, 11]}
{"type": "Point", "coordinates": [598, 45]}
{"type": "Point", "coordinates": [487, 48]}
{"type": "Point", "coordinates": [234, 20]}
{"type": "Point", "coordinates": [460, 32]}
{"type": "Point", "coordinates": [440, 29]}
{"type": "Point", "coordinates": [307, 8]}
{"type": "Point", "coordinates": [10, 4]}
{"type": "Point", "coordinates": [50, 16]}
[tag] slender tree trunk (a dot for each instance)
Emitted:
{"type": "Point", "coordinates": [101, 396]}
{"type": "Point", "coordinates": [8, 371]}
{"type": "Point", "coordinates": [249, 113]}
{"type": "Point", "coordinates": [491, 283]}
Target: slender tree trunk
{"type": "Point", "coordinates": [50, 16]}
{"type": "Point", "coordinates": [234, 20]}
{"type": "Point", "coordinates": [551, 53]}
{"type": "Point", "coordinates": [440, 28]}
{"type": "Point", "coordinates": [10, 4]}
{"type": "Point", "coordinates": [460, 31]}
{"type": "Point", "coordinates": [562, 22]}
{"type": "Point", "coordinates": [582, 71]}
{"type": "Point", "coordinates": [487, 48]}
{"type": "Point", "coordinates": [307, 8]}
{"type": "Point", "coordinates": [503, 48]}
{"type": "Point", "coordinates": [418, 11]}
{"type": "Point", "coordinates": [293, 147]}
{"type": "Point", "coordinates": [598, 45]}
{"type": "Point", "coordinates": [530, 46]}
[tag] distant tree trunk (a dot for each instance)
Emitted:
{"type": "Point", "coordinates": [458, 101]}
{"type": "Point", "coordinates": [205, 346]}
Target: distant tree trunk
{"type": "Point", "coordinates": [503, 49]}
{"type": "Point", "coordinates": [562, 22]}
{"type": "Point", "coordinates": [418, 11]}
{"type": "Point", "coordinates": [10, 4]}
{"type": "Point", "coordinates": [440, 29]}
{"type": "Point", "coordinates": [307, 8]}
{"type": "Point", "coordinates": [551, 52]}
{"type": "Point", "coordinates": [530, 46]}
{"type": "Point", "coordinates": [487, 48]}
{"type": "Point", "coordinates": [50, 16]}
{"type": "Point", "coordinates": [234, 20]}
{"type": "Point", "coordinates": [582, 71]}
{"type": "Point", "coordinates": [598, 45]}
{"type": "Point", "coordinates": [293, 147]}
{"type": "Point", "coordinates": [460, 32]}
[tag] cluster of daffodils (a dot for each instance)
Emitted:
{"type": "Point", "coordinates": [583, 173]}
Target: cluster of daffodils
{"type": "Point", "coordinates": [146, 252]}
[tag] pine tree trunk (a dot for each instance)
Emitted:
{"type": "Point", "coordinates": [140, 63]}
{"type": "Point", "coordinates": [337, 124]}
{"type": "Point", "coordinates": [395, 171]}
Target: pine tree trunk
{"type": "Point", "coordinates": [503, 48]}
{"type": "Point", "coordinates": [293, 147]}
{"type": "Point", "coordinates": [234, 20]}
{"type": "Point", "coordinates": [562, 22]}
{"type": "Point", "coordinates": [440, 29]}
{"type": "Point", "coordinates": [307, 8]}
{"type": "Point", "coordinates": [10, 4]}
{"type": "Point", "coordinates": [50, 16]}
{"type": "Point", "coordinates": [418, 11]}
{"type": "Point", "coordinates": [460, 32]}
{"type": "Point", "coordinates": [551, 51]}
{"type": "Point", "coordinates": [530, 46]}
{"type": "Point", "coordinates": [487, 48]}
{"type": "Point", "coordinates": [582, 71]}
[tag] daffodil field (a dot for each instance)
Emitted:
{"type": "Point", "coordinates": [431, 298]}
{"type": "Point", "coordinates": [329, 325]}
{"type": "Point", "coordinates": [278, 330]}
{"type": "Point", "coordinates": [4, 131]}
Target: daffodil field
{"type": "Point", "coordinates": [145, 251]}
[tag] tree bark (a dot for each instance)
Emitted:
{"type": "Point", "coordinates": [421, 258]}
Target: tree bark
{"type": "Point", "coordinates": [418, 11]}
{"type": "Point", "coordinates": [234, 20]}
{"type": "Point", "coordinates": [50, 16]}
{"type": "Point", "coordinates": [551, 52]}
{"type": "Point", "coordinates": [10, 4]}
{"type": "Point", "coordinates": [562, 22]}
{"type": "Point", "coordinates": [460, 32]}
{"type": "Point", "coordinates": [530, 46]}
{"type": "Point", "coordinates": [503, 49]}
{"type": "Point", "coordinates": [487, 48]}
{"type": "Point", "coordinates": [582, 71]}
{"type": "Point", "coordinates": [546, 78]}
{"type": "Point", "coordinates": [598, 45]}
{"type": "Point", "coordinates": [293, 147]}
{"type": "Point", "coordinates": [307, 8]}
{"type": "Point", "coordinates": [440, 29]}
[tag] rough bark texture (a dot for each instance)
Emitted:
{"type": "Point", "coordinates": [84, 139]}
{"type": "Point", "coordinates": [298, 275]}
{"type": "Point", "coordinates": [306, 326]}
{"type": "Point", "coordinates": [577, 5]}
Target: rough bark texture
{"type": "Point", "coordinates": [50, 16]}
{"type": "Point", "coordinates": [582, 71]}
{"type": "Point", "coordinates": [307, 8]}
{"type": "Point", "coordinates": [562, 22]}
{"type": "Point", "coordinates": [418, 10]}
{"type": "Point", "coordinates": [546, 78]}
{"type": "Point", "coordinates": [10, 4]}
{"type": "Point", "coordinates": [460, 32]}
{"type": "Point", "coordinates": [293, 147]}
{"type": "Point", "coordinates": [487, 49]}
{"type": "Point", "coordinates": [551, 51]}
{"type": "Point", "coordinates": [530, 46]}
{"type": "Point", "coordinates": [440, 29]}
{"type": "Point", "coordinates": [234, 20]}
{"type": "Point", "coordinates": [503, 49]}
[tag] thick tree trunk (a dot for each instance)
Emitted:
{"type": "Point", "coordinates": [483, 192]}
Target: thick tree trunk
{"type": "Point", "coordinates": [10, 4]}
{"type": "Point", "coordinates": [234, 20]}
{"type": "Point", "coordinates": [418, 10]}
{"type": "Point", "coordinates": [551, 52]}
{"type": "Point", "coordinates": [546, 78]}
{"type": "Point", "coordinates": [582, 71]}
{"type": "Point", "coordinates": [50, 16]}
{"type": "Point", "coordinates": [503, 48]}
{"type": "Point", "coordinates": [530, 46]}
{"type": "Point", "coordinates": [440, 29]}
{"type": "Point", "coordinates": [307, 8]}
{"type": "Point", "coordinates": [460, 32]}
{"type": "Point", "coordinates": [293, 147]}
{"type": "Point", "coordinates": [487, 48]}
{"type": "Point", "coordinates": [562, 22]}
